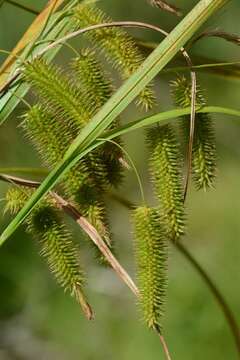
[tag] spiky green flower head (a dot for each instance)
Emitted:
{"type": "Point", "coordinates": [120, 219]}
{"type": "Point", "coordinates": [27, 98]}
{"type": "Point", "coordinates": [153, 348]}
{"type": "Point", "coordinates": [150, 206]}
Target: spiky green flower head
{"type": "Point", "coordinates": [165, 164]}
{"type": "Point", "coordinates": [118, 47]}
{"type": "Point", "coordinates": [92, 76]}
{"type": "Point", "coordinates": [45, 224]}
{"type": "Point", "coordinates": [204, 157]}
{"type": "Point", "coordinates": [151, 252]}
{"type": "Point", "coordinates": [57, 91]}
{"type": "Point", "coordinates": [16, 198]}
{"type": "Point", "coordinates": [51, 138]}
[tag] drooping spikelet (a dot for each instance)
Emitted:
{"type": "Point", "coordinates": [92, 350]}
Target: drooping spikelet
{"type": "Point", "coordinates": [16, 198]}
{"type": "Point", "coordinates": [151, 257]}
{"type": "Point", "coordinates": [204, 146]}
{"type": "Point", "coordinates": [58, 91]}
{"type": "Point", "coordinates": [51, 139]}
{"type": "Point", "coordinates": [119, 48]}
{"type": "Point", "coordinates": [164, 165]}
{"type": "Point", "coordinates": [92, 77]}
{"type": "Point", "coordinates": [56, 245]}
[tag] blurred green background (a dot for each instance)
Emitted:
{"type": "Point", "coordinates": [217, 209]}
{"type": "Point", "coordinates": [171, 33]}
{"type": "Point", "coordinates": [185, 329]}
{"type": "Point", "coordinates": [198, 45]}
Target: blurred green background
{"type": "Point", "coordinates": [38, 321]}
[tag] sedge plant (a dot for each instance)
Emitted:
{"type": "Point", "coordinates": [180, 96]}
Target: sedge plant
{"type": "Point", "coordinates": [67, 99]}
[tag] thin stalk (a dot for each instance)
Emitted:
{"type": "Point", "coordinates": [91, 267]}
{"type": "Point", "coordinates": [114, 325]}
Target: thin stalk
{"type": "Point", "coordinates": [203, 66]}
{"type": "Point", "coordinates": [24, 171]}
{"type": "Point", "coordinates": [229, 316]}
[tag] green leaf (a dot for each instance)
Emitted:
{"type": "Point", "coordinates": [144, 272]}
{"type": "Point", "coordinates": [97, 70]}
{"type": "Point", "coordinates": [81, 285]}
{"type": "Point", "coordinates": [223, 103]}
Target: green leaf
{"type": "Point", "coordinates": [119, 101]}
{"type": "Point", "coordinates": [164, 117]}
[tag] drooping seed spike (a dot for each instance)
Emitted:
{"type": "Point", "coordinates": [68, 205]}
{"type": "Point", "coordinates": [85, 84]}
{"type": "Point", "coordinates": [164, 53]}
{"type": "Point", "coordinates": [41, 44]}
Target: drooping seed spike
{"type": "Point", "coordinates": [93, 78]}
{"type": "Point", "coordinates": [204, 158]}
{"type": "Point", "coordinates": [58, 91]}
{"type": "Point", "coordinates": [56, 245]}
{"type": "Point", "coordinates": [164, 166]}
{"type": "Point", "coordinates": [51, 139]}
{"type": "Point", "coordinates": [118, 47]}
{"type": "Point", "coordinates": [151, 251]}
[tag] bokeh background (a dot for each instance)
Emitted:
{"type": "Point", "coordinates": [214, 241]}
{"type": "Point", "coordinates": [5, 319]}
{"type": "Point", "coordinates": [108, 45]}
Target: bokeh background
{"type": "Point", "coordinates": [38, 321]}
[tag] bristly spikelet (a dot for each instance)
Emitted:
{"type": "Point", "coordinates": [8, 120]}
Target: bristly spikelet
{"type": "Point", "coordinates": [61, 94]}
{"type": "Point", "coordinates": [151, 252]}
{"type": "Point", "coordinates": [204, 144]}
{"type": "Point", "coordinates": [164, 166]}
{"type": "Point", "coordinates": [57, 247]}
{"type": "Point", "coordinates": [46, 225]}
{"type": "Point", "coordinates": [16, 198]}
{"type": "Point", "coordinates": [92, 77]}
{"type": "Point", "coordinates": [70, 110]}
{"type": "Point", "coordinates": [49, 136]}
{"type": "Point", "coordinates": [118, 47]}
{"type": "Point", "coordinates": [51, 139]}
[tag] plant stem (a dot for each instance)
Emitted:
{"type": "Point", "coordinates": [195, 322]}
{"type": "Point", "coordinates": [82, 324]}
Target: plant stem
{"type": "Point", "coordinates": [23, 7]}
{"type": "Point", "coordinates": [229, 316]}
{"type": "Point", "coordinates": [24, 171]}
{"type": "Point", "coordinates": [165, 348]}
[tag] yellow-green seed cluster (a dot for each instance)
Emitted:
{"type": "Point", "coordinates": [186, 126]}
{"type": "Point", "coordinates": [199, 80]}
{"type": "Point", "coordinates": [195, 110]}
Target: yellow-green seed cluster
{"type": "Point", "coordinates": [151, 250]}
{"type": "Point", "coordinates": [165, 171]}
{"type": "Point", "coordinates": [118, 47]}
{"type": "Point", "coordinates": [56, 245]}
{"type": "Point", "coordinates": [204, 145]}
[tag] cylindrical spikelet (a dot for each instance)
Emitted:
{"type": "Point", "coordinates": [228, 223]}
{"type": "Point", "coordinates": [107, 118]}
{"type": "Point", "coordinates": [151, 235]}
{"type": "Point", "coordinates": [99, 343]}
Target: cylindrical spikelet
{"type": "Point", "coordinates": [119, 48]}
{"type": "Point", "coordinates": [16, 198]}
{"type": "Point", "coordinates": [204, 145]}
{"type": "Point", "coordinates": [60, 93]}
{"type": "Point", "coordinates": [51, 139]}
{"type": "Point", "coordinates": [57, 247]}
{"type": "Point", "coordinates": [90, 73]}
{"type": "Point", "coordinates": [164, 166]}
{"type": "Point", "coordinates": [151, 251]}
